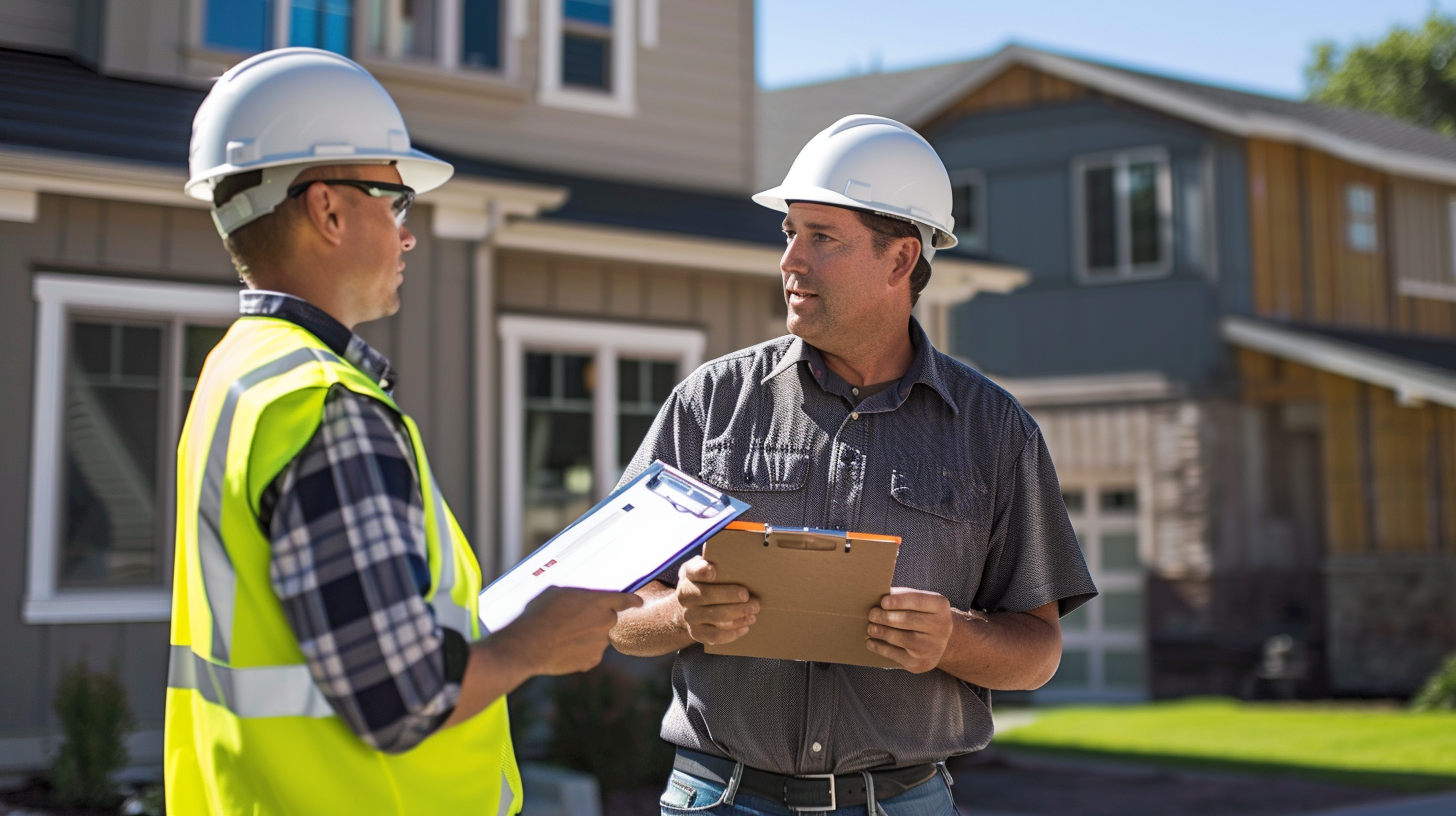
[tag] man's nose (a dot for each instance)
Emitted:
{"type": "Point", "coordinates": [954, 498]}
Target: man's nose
{"type": "Point", "coordinates": [406, 238]}
{"type": "Point", "coordinates": [793, 259]}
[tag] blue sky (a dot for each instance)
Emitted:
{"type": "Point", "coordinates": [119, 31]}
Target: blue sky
{"type": "Point", "coordinates": [1260, 45]}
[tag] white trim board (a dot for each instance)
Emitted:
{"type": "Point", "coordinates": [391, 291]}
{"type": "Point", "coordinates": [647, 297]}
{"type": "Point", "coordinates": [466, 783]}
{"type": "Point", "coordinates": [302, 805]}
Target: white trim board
{"type": "Point", "coordinates": [606, 341]}
{"type": "Point", "coordinates": [1412, 382]}
{"type": "Point", "coordinates": [55, 295]}
{"type": "Point", "coordinates": [1152, 95]}
{"type": "Point", "coordinates": [954, 279]}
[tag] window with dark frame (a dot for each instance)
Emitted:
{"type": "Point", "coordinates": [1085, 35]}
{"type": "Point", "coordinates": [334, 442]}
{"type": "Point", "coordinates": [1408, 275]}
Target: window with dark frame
{"type": "Point", "coordinates": [968, 208]}
{"type": "Point", "coordinates": [480, 35]}
{"type": "Point", "coordinates": [1124, 215]}
{"type": "Point", "coordinates": [586, 44]}
{"type": "Point", "coordinates": [249, 25]}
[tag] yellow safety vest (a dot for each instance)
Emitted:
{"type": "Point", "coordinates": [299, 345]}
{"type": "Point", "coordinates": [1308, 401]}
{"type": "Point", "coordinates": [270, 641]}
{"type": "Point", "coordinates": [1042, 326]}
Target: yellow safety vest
{"type": "Point", "coordinates": [247, 730]}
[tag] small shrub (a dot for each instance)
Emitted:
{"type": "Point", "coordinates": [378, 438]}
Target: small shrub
{"type": "Point", "coordinates": [94, 721]}
{"type": "Point", "coordinates": [1439, 692]}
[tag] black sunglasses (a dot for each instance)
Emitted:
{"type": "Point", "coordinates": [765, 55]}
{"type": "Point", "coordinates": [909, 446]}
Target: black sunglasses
{"type": "Point", "coordinates": [401, 196]}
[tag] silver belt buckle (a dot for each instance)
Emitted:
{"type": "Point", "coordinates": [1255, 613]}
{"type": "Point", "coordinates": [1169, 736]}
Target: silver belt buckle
{"type": "Point", "coordinates": [829, 777]}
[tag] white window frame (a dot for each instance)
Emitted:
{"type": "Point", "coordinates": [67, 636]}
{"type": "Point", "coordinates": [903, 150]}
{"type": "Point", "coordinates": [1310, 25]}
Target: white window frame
{"type": "Point", "coordinates": [57, 295]}
{"type": "Point", "coordinates": [971, 176]}
{"type": "Point", "coordinates": [621, 100]}
{"type": "Point", "coordinates": [448, 31]}
{"type": "Point", "coordinates": [1091, 523]}
{"type": "Point", "coordinates": [606, 341]}
{"type": "Point", "coordinates": [1121, 160]}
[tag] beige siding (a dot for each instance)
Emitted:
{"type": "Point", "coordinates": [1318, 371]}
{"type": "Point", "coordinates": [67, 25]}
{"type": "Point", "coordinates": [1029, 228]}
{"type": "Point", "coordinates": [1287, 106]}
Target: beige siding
{"type": "Point", "coordinates": [733, 311]}
{"type": "Point", "coordinates": [1420, 233]}
{"type": "Point", "coordinates": [143, 38]}
{"type": "Point", "coordinates": [694, 124]}
{"type": "Point", "coordinates": [46, 25]}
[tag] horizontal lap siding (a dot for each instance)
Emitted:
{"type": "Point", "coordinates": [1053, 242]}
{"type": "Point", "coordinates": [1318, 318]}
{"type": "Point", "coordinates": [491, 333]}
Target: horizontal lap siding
{"type": "Point", "coordinates": [733, 311]}
{"type": "Point", "coordinates": [85, 236]}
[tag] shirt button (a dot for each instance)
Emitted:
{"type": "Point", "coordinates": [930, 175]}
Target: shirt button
{"type": "Point", "coordinates": [854, 391]}
{"type": "Point", "coordinates": [816, 747]}
{"type": "Point", "coordinates": [854, 415]}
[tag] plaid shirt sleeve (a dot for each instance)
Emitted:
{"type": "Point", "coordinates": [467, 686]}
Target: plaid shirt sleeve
{"type": "Point", "coordinates": [347, 524]}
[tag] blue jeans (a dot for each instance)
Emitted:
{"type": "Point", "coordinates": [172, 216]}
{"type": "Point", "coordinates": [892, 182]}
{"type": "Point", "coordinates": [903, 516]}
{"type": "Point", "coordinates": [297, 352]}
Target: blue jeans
{"type": "Point", "coordinates": [686, 795]}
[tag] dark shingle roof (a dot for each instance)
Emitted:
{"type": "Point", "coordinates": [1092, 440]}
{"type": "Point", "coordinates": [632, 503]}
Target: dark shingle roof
{"type": "Point", "coordinates": [789, 117]}
{"type": "Point", "coordinates": [50, 103]}
{"type": "Point", "coordinates": [1431, 351]}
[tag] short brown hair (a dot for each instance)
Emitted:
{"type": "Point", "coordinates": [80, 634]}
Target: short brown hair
{"type": "Point", "coordinates": [264, 242]}
{"type": "Point", "coordinates": [887, 229]}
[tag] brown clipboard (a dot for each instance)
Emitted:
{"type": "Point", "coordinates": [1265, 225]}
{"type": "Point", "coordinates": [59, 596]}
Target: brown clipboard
{"type": "Point", "coordinates": [815, 589]}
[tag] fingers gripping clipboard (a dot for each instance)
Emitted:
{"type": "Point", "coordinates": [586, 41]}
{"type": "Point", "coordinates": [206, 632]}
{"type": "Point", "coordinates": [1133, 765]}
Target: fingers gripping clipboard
{"type": "Point", "coordinates": [815, 589]}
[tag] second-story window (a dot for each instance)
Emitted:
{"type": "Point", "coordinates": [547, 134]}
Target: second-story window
{"type": "Point", "coordinates": [480, 45]}
{"type": "Point", "coordinates": [1123, 214]}
{"type": "Point", "coordinates": [257, 25]}
{"type": "Point", "coordinates": [1360, 217]}
{"type": "Point", "coordinates": [445, 33]}
{"type": "Point", "coordinates": [586, 44]}
{"type": "Point", "coordinates": [968, 207]}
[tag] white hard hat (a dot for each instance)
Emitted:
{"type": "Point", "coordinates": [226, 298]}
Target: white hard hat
{"type": "Point", "coordinates": [285, 110]}
{"type": "Point", "coordinates": [876, 164]}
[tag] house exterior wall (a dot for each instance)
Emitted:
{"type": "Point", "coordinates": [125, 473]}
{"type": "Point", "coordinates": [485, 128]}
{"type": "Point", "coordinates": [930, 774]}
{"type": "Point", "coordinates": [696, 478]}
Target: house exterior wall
{"type": "Point", "coordinates": [1165, 324]}
{"type": "Point", "coordinates": [42, 25]}
{"type": "Point", "coordinates": [693, 125]}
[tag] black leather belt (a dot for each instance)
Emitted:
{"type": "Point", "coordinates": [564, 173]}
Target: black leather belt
{"type": "Point", "coordinates": [814, 792]}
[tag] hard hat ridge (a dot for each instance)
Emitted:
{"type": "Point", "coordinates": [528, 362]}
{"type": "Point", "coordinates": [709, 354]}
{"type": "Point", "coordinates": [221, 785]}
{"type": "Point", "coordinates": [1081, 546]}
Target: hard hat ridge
{"type": "Point", "coordinates": [285, 110]}
{"type": "Point", "coordinates": [877, 165]}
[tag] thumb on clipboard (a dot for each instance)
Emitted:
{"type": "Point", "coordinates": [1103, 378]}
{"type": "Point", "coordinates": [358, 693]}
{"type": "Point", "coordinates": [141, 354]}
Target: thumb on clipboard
{"type": "Point", "coordinates": [713, 612]}
{"type": "Point", "coordinates": [563, 631]}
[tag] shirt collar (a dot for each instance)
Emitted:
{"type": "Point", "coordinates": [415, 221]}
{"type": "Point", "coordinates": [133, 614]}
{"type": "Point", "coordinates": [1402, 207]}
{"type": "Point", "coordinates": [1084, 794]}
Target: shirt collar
{"type": "Point", "coordinates": [925, 368]}
{"type": "Point", "coordinates": [335, 335]}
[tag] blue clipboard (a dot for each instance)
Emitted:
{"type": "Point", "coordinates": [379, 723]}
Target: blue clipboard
{"type": "Point", "coordinates": [620, 544]}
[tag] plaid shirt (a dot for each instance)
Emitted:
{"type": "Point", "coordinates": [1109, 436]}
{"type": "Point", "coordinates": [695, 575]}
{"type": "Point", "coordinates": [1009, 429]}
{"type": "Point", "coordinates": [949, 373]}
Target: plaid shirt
{"type": "Point", "coordinates": [347, 522]}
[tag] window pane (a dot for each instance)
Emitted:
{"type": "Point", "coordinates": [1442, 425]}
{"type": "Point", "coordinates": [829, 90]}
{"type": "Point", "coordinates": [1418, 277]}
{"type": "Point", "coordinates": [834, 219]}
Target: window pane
{"type": "Point", "coordinates": [664, 378]}
{"type": "Point", "coordinates": [1120, 551]}
{"type": "Point", "coordinates": [1076, 620]}
{"type": "Point", "coordinates": [1122, 670]}
{"type": "Point", "coordinates": [1362, 237]}
{"type": "Point", "coordinates": [240, 24]}
{"type": "Point", "coordinates": [964, 209]}
{"type": "Point", "coordinates": [584, 61]}
{"type": "Point", "coordinates": [1073, 500]}
{"type": "Point", "coordinates": [417, 26]}
{"type": "Point", "coordinates": [1119, 501]}
{"type": "Point", "coordinates": [197, 343]}
{"type": "Point", "coordinates": [578, 376]}
{"type": "Point", "coordinates": [629, 381]}
{"type": "Point", "coordinates": [112, 425]}
{"type": "Point", "coordinates": [1122, 611]}
{"type": "Point", "coordinates": [480, 38]}
{"type": "Point", "coordinates": [1074, 672]}
{"type": "Point", "coordinates": [1101, 208]}
{"type": "Point", "coordinates": [596, 12]}
{"type": "Point", "coordinates": [558, 448]}
{"type": "Point", "coordinates": [538, 374]}
{"type": "Point", "coordinates": [1143, 211]}
{"type": "Point", "coordinates": [323, 24]}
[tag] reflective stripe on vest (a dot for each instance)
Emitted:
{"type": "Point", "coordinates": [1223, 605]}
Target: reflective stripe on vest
{"type": "Point", "coordinates": [219, 580]}
{"type": "Point", "coordinates": [263, 691]}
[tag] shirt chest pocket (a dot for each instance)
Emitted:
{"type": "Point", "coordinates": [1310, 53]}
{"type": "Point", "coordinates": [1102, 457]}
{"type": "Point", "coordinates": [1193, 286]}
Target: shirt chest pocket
{"type": "Point", "coordinates": [755, 466]}
{"type": "Point", "coordinates": [938, 489]}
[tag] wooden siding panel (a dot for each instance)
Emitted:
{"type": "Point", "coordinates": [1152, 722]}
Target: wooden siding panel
{"type": "Point", "coordinates": [524, 282]}
{"type": "Point", "coordinates": [1267, 379]}
{"type": "Point", "coordinates": [194, 246]}
{"type": "Point", "coordinates": [1421, 250]}
{"type": "Point", "coordinates": [1445, 445]}
{"type": "Point", "coordinates": [1400, 458]}
{"type": "Point", "coordinates": [1322, 214]}
{"type": "Point", "coordinates": [1345, 507]}
{"type": "Point", "coordinates": [1016, 87]}
{"type": "Point", "coordinates": [713, 298]}
{"type": "Point", "coordinates": [82, 221]}
{"type": "Point", "coordinates": [669, 296]}
{"type": "Point", "coordinates": [624, 295]}
{"type": "Point", "coordinates": [1274, 228]}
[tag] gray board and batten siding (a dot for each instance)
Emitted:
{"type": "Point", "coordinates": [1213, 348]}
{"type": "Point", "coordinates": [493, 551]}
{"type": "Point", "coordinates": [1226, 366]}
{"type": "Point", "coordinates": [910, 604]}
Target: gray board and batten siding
{"type": "Point", "coordinates": [1058, 325]}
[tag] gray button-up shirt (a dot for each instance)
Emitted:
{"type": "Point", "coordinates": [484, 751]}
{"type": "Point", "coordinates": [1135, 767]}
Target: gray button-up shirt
{"type": "Point", "coordinates": [946, 460]}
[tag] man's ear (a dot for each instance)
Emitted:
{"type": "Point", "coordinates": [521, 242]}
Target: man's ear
{"type": "Point", "coordinates": [906, 254]}
{"type": "Point", "coordinates": [326, 212]}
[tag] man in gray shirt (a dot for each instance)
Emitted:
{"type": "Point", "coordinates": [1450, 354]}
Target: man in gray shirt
{"type": "Point", "coordinates": [855, 422]}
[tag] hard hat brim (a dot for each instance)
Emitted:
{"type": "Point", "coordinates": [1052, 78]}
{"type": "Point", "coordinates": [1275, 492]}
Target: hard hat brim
{"type": "Point", "coordinates": [778, 198]}
{"type": "Point", "coordinates": [417, 169]}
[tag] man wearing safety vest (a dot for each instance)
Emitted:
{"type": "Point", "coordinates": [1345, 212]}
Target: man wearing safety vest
{"type": "Point", "coordinates": [326, 654]}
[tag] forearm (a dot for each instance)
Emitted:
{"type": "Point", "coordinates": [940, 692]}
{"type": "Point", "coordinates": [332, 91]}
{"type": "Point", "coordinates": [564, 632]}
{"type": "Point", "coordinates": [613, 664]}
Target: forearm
{"type": "Point", "coordinates": [497, 666]}
{"type": "Point", "coordinates": [1006, 651]}
{"type": "Point", "coordinates": [653, 629]}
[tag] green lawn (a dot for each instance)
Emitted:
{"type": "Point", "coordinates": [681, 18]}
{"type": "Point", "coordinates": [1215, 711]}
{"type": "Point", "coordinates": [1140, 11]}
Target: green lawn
{"type": "Point", "coordinates": [1353, 744]}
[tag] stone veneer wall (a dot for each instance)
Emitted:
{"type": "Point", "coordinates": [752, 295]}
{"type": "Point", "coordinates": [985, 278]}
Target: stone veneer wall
{"type": "Point", "coordinates": [1391, 620]}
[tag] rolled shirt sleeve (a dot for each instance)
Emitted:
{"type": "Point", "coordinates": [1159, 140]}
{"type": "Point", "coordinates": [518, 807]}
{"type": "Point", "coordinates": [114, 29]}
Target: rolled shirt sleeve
{"type": "Point", "coordinates": [350, 566]}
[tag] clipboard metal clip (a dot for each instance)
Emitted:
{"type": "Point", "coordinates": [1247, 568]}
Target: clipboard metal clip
{"type": "Point", "coordinates": [805, 538]}
{"type": "Point", "coordinates": [686, 498]}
